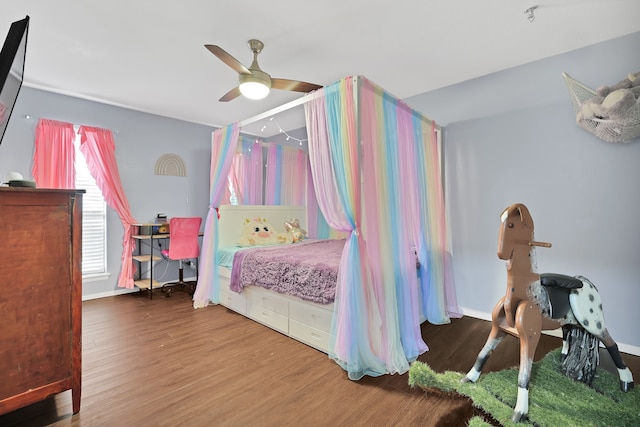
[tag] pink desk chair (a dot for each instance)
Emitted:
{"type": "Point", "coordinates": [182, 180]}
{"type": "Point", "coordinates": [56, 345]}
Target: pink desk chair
{"type": "Point", "coordinates": [183, 245]}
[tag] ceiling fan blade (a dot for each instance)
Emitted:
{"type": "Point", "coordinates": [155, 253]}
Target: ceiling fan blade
{"type": "Point", "coordinates": [232, 94]}
{"type": "Point", "coordinates": [227, 59]}
{"type": "Point", "coordinates": [293, 85]}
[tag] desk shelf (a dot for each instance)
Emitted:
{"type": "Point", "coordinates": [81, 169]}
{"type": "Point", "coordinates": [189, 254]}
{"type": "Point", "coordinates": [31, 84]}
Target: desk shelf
{"type": "Point", "coordinates": [146, 258]}
{"type": "Point", "coordinates": [144, 283]}
{"type": "Point", "coordinates": [147, 283]}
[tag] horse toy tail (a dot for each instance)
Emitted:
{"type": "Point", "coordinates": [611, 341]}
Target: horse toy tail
{"type": "Point", "coordinates": [583, 355]}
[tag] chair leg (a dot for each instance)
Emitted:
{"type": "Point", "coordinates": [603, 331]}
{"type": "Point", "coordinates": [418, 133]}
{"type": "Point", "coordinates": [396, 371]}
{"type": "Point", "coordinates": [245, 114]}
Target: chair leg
{"type": "Point", "coordinates": [167, 291]}
{"type": "Point", "coordinates": [190, 287]}
{"type": "Point", "coordinates": [181, 274]}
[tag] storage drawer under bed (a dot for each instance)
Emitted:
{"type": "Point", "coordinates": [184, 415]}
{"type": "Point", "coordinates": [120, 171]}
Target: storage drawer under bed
{"type": "Point", "coordinates": [268, 318]}
{"type": "Point", "coordinates": [316, 317]}
{"type": "Point", "coordinates": [309, 335]}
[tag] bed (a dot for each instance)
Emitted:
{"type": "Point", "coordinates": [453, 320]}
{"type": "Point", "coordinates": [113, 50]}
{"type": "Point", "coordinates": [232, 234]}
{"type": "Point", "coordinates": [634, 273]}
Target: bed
{"type": "Point", "coordinates": [303, 320]}
{"type": "Point", "coordinates": [375, 172]}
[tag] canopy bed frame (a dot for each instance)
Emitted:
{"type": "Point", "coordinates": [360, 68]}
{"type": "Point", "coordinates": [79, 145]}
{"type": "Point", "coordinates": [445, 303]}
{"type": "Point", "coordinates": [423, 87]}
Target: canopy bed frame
{"type": "Point", "coordinates": [375, 166]}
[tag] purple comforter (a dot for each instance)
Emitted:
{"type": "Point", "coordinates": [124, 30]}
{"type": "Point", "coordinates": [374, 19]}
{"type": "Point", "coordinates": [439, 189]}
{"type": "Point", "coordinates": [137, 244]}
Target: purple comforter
{"type": "Point", "coordinates": [307, 270]}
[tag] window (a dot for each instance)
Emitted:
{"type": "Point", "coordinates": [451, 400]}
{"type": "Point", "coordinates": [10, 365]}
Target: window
{"type": "Point", "coordinates": [94, 220]}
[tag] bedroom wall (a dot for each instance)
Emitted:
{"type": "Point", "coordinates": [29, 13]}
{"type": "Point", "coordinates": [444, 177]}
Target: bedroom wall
{"type": "Point", "coordinates": [508, 137]}
{"type": "Point", "coordinates": [140, 139]}
{"type": "Point", "coordinates": [511, 137]}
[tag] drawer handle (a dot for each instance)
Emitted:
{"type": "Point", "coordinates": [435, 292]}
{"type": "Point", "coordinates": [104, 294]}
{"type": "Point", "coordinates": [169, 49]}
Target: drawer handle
{"type": "Point", "coordinates": [316, 336]}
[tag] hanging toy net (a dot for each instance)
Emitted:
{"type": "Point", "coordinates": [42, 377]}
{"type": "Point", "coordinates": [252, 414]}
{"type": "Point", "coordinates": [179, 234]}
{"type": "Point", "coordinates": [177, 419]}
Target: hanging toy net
{"type": "Point", "coordinates": [623, 130]}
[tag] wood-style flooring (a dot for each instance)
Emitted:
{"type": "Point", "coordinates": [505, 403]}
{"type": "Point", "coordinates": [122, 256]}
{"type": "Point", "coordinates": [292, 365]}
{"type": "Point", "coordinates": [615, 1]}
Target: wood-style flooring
{"type": "Point", "coordinates": [159, 362]}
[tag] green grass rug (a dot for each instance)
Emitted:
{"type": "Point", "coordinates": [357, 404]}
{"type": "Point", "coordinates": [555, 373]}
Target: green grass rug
{"type": "Point", "coordinates": [554, 399]}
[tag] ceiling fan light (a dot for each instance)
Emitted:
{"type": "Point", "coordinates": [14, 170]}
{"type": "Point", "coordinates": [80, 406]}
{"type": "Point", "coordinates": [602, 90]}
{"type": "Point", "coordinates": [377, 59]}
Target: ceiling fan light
{"type": "Point", "coordinates": [255, 85]}
{"type": "Point", "coordinates": [254, 90]}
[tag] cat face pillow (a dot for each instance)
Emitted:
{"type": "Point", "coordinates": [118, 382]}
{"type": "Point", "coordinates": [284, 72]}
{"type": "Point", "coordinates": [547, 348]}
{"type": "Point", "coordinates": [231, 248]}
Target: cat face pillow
{"type": "Point", "coordinates": [259, 232]}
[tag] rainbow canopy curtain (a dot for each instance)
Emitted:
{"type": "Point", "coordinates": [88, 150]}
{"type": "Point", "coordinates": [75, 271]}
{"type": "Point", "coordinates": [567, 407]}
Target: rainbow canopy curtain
{"type": "Point", "coordinates": [288, 182]}
{"type": "Point", "coordinates": [246, 174]}
{"type": "Point", "coordinates": [286, 176]}
{"type": "Point", "coordinates": [223, 146]}
{"type": "Point", "coordinates": [279, 177]}
{"type": "Point", "coordinates": [373, 168]}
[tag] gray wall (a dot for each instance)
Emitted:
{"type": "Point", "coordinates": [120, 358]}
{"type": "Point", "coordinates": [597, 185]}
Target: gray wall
{"type": "Point", "coordinates": [140, 139]}
{"type": "Point", "coordinates": [511, 137]}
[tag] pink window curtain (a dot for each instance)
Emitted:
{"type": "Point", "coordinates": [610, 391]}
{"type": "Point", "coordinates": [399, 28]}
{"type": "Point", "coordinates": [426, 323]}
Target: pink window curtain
{"type": "Point", "coordinates": [98, 148]}
{"type": "Point", "coordinates": [223, 147]}
{"type": "Point", "coordinates": [54, 155]}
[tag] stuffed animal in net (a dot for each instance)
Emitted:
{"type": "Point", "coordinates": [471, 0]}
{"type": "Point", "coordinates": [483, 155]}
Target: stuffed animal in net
{"type": "Point", "coordinates": [259, 232]}
{"type": "Point", "coordinates": [612, 102]}
{"type": "Point", "coordinates": [293, 229]}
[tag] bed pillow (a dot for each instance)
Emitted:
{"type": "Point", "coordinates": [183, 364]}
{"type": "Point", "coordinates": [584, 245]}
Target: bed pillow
{"type": "Point", "coordinates": [293, 229]}
{"type": "Point", "coordinates": [259, 232]}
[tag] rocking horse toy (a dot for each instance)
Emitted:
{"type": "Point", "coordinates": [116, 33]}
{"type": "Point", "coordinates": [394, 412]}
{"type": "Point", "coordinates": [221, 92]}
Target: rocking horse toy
{"type": "Point", "coordinates": [535, 302]}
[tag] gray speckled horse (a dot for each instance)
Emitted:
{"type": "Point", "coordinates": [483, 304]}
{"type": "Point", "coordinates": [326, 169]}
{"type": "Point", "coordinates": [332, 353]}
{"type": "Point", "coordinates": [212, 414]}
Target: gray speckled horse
{"type": "Point", "coordinates": [535, 302]}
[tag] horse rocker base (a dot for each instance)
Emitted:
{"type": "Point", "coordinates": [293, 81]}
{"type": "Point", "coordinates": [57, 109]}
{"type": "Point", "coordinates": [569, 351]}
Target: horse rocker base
{"type": "Point", "coordinates": [538, 302]}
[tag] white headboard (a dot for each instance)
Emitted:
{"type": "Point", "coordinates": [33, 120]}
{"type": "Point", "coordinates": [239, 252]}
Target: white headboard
{"type": "Point", "coordinates": [232, 219]}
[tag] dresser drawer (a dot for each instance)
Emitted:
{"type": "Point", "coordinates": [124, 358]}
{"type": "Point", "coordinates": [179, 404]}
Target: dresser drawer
{"type": "Point", "coordinates": [269, 318]}
{"type": "Point", "coordinates": [268, 300]}
{"type": "Point", "coordinates": [309, 335]}
{"type": "Point", "coordinates": [316, 317]}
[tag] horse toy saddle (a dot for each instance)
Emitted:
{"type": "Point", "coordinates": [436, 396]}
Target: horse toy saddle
{"type": "Point", "coordinates": [559, 287]}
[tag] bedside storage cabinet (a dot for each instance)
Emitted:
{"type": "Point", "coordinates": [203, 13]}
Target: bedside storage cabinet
{"type": "Point", "coordinates": [40, 295]}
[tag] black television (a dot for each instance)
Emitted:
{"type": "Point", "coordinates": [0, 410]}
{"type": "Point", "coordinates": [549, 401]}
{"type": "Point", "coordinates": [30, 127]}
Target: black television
{"type": "Point", "coordinates": [12, 58]}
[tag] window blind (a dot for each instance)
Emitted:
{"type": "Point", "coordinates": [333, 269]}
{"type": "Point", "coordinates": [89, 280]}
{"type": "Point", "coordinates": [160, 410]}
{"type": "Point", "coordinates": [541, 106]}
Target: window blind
{"type": "Point", "coordinates": [94, 219]}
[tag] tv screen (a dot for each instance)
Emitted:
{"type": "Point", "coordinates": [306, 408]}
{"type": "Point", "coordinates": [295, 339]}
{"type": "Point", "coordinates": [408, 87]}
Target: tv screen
{"type": "Point", "coordinates": [12, 59]}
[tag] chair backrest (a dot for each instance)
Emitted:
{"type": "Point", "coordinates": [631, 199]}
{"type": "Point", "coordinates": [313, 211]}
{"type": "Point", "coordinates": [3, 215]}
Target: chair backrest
{"type": "Point", "coordinates": [183, 237]}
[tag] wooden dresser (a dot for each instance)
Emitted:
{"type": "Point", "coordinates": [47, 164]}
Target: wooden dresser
{"type": "Point", "coordinates": [40, 295]}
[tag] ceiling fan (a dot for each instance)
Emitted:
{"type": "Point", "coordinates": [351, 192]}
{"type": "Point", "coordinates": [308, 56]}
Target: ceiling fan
{"type": "Point", "coordinates": [253, 82]}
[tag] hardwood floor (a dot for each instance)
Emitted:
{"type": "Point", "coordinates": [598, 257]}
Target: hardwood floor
{"type": "Point", "coordinates": [161, 363]}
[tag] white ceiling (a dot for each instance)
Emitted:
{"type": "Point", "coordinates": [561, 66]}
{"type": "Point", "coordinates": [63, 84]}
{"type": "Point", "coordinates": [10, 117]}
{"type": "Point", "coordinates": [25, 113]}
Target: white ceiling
{"type": "Point", "coordinates": [150, 56]}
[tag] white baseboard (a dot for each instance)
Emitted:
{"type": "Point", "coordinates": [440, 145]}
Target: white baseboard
{"type": "Point", "coordinates": [625, 348]}
{"type": "Point", "coordinates": [119, 291]}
